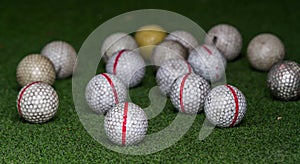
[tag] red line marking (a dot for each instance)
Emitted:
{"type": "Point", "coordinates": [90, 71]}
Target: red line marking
{"type": "Point", "coordinates": [124, 123]}
{"type": "Point", "coordinates": [189, 66]}
{"type": "Point", "coordinates": [236, 105]}
{"type": "Point", "coordinates": [181, 92]}
{"type": "Point", "coordinates": [21, 95]}
{"type": "Point", "coordinates": [207, 49]}
{"type": "Point", "coordinates": [117, 60]}
{"type": "Point", "coordinates": [112, 87]}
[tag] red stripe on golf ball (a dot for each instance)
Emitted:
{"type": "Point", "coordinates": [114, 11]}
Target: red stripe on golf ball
{"type": "Point", "coordinates": [236, 105]}
{"type": "Point", "coordinates": [181, 92]}
{"type": "Point", "coordinates": [112, 87]}
{"type": "Point", "coordinates": [21, 95]}
{"type": "Point", "coordinates": [207, 49]}
{"type": "Point", "coordinates": [124, 123]}
{"type": "Point", "coordinates": [189, 67]}
{"type": "Point", "coordinates": [117, 60]}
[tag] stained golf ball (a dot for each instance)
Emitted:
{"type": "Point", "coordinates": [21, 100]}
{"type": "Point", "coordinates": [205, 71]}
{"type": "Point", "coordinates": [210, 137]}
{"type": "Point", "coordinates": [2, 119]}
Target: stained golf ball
{"type": "Point", "coordinates": [126, 124]}
{"type": "Point", "coordinates": [227, 39]}
{"type": "Point", "coordinates": [264, 51]}
{"type": "Point", "coordinates": [35, 67]}
{"type": "Point", "coordinates": [186, 39]}
{"type": "Point", "coordinates": [225, 106]}
{"type": "Point", "coordinates": [188, 93]}
{"type": "Point", "coordinates": [104, 91]}
{"type": "Point", "coordinates": [62, 55]}
{"type": "Point", "coordinates": [284, 80]}
{"type": "Point", "coordinates": [128, 65]}
{"type": "Point", "coordinates": [37, 102]}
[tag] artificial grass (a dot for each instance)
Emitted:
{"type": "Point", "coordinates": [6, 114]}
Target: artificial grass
{"type": "Point", "coordinates": [269, 132]}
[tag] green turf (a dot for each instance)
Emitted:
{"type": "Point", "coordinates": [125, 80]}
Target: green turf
{"type": "Point", "coordinates": [25, 27]}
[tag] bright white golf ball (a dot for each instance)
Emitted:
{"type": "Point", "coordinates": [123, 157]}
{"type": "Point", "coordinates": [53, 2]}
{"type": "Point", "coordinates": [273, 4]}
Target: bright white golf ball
{"type": "Point", "coordinates": [188, 93]}
{"type": "Point", "coordinates": [128, 65]}
{"type": "Point", "coordinates": [126, 124]}
{"type": "Point", "coordinates": [186, 39]}
{"type": "Point", "coordinates": [225, 106]}
{"type": "Point", "coordinates": [37, 102]}
{"type": "Point", "coordinates": [104, 91]}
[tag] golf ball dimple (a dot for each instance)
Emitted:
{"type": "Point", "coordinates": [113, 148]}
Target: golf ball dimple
{"type": "Point", "coordinates": [186, 39]}
{"type": "Point", "coordinates": [126, 124]}
{"type": "Point", "coordinates": [128, 65]}
{"type": "Point", "coordinates": [62, 55]}
{"type": "Point", "coordinates": [37, 102]}
{"type": "Point", "coordinates": [227, 39]}
{"type": "Point", "coordinates": [35, 67]}
{"type": "Point", "coordinates": [284, 80]}
{"type": "Point", "coordinates": [208, 62]}
{"type": "Point", "coordinates": [264, 51]}
{"type": "Point", "coordinates": [225, 106]}
{"type": "Point", "coordinates": [104, 91]}
{"type": "Point", "coordinates": [188, 93]}
{"type": "Point", "coordinates": [169, 72]}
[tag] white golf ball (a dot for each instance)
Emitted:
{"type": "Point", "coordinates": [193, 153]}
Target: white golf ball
{"type": "Point", "coordinates": [37, 102]}
{"type": "Point", "coordinates": [62, 55]}
{"type": "Point", "coordinates": [104, 91]}
{"type": "Point", "coordinates": [116, 42]}
{"type": "Point", "coordinates": [188, 93]}
{"type": "Point", "coordinates": [169, 72]}
{"type": "Point", "coordinates": [128, 65]}
{"type": "Point", "coordinates": [186, 39]}
{"type": "Point", "coordinates": [208, 62]}
{"type": "Point", "coordinates": [225, 106]}
{"type": "Point", "coordinates": [126, 124]}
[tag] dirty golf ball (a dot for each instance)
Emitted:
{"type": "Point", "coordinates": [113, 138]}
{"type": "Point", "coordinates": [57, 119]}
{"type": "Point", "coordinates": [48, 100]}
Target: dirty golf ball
{"type": "Point", "coordinates": [225, 106]}
{"type": "Point", "coordinates": [128, 65]}
{"type": "Point", "coordinates": [37, 102]}
{"type": "Point", "coordinates": [169, 72]}
{"type": "Point", "coordinates": [227, 39]}
{"type": "Point", "coordinates": [186, 39]}
{"type": "Point", "coordinates": [35, 67]}
{"type": "Point", "coordinates": [104, 91]}
{"type": "Point", "coordinates": [208, 62]}
{"type": "Point", "coordinates": [63, 57]}
{"type": "Point", "coordinates": [284, 80]}
{"type": "Point", "coordinates": [116, 42]}
{"type": "Point", "coordinates": [126, 124]}
{"type": "Point", "coordinates": [264, 51]}
{"type": "Point", "coordinates": [188, 93]}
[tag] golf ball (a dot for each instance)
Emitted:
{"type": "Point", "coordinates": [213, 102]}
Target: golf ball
{"type": "Point", "coordinates": [37, 102]}
{"type": "Point", "coordinates": [126, 124]}
{"type": "Point", "coordinates": [227, 39]}
{"type": "Point", "coordinates": [186, 39]}
{"type": "Point", "coordinates": [128, 65]}
{"type": "Point", "coordinates": [225, 106]}
{"type": "Point", "coordinates": [264, 51]}
{"type": "Point", "coordinates": [63, 57]}
{"type": "Point", "coordinates": [35, 67]}
{"type": "Point", "coordinates": [188, 93]}
{"type": "Point", "coordinates": [104, 91]}
{"type": "Point", "coordinates": [284, 80]}
{"type": "Point", "coordinates": [169, 72]}
{"type": "Point", "coordinates": [208, 62]}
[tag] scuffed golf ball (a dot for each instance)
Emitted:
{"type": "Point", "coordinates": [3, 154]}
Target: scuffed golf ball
{"type": "Point", "coordinates": [284, 80]}
{"type": "Point", "coordinates": [35, 67]}
{"type": "Point", "coordinates": [188, 93]}
{"type": "Point", "coordinates": [227, 39]}
{"type": "Point", "coordinates": [63, 57]}
{"type": "Point", "coordinates": [225, 106]}
{"type": "Point", "coordinates": [128, 65]}
{"type": "Point", "coordinates": [208, 62]}
{"type": "Point", "coordinates": [186, 39]}
{"type": "Point", "coordinates": [126, 124]}
{"type": "Point", "coordinates": [104, 91]}
{"type": "Point", "coordinates": [169, 72]}
{"type": "Point", "coordinates": [264, 51]}
{"type": "Point", "coordinates": [116, 42]}
{"type": "Point", "coordinates": [37, 102]}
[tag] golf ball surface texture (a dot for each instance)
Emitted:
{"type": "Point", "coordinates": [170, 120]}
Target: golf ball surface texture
{"type": "Point", "coordinates": [186, 39]}
{"type": "Point", "coordinates": [126, 124]}
{"type": "Point", "coordinates": [37, 102]}
{"type": "Point", "coordinates": [225, 106]}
